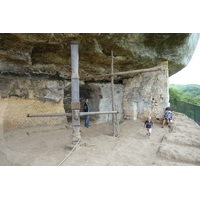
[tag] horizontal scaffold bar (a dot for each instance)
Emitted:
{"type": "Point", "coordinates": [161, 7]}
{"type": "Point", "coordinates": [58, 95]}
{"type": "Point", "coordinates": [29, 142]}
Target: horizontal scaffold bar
{"type": "Point", "coordinates": [123, 73]}
{"type": "Point", "coordinates": [98, 113]}
{"type": "Point", "coordinates": [50, 115]}
{"type": "Point", "coordinates": [70, 114]}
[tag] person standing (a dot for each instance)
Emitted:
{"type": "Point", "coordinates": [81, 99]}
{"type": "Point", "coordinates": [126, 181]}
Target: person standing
{"type": "Point", "coordinates": [86, 109]}
{"type": "Point", "coordinates": [148, 124]}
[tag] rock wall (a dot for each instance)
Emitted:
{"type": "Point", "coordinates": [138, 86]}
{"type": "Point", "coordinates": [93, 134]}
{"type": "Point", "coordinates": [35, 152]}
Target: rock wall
{"type": "Point", "coordinates": [146, 94]}
{"type": "Point", "coordinates": [105, 103]}
{"type": "Point", "coordinates": [26, 87]}
{"type": "Point", "coordinates": [99, 95]}
{"type": "Point", "coordinates": [138, 97]}
{"type": "Point", "coordinates": [28, 96]}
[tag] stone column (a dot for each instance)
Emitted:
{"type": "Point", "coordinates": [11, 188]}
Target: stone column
{"type": "Point", "coordinates": [75, 103]}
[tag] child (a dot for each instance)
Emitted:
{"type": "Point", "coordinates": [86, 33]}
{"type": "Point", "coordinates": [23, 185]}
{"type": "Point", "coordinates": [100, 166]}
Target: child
{"type": "Point", "coordinates": [167, 117]}
{"type": "Point", "coordinates": [148, 124]}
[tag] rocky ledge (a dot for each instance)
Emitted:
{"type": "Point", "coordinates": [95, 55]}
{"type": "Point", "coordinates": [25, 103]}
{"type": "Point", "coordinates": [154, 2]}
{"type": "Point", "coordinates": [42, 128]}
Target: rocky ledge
{"type": "Point", "coordinates": [48, 54]}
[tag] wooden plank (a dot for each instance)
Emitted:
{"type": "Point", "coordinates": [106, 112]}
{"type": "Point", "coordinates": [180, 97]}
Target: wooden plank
{"type": "Point", "coordinates": [123, 73]}
{"type": "Point", "coordinates": [75, 105]}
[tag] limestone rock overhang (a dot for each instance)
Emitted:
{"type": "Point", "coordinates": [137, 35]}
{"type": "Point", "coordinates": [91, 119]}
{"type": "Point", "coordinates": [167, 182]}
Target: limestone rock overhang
{"type": "Point", "coordinates": [48, 54]}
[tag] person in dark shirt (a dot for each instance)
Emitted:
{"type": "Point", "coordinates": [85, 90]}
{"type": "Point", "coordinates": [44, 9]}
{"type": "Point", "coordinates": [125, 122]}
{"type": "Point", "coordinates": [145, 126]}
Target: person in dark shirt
{"type": "Point", "coordinates": [86, 109]}
{"type": "Point", "coordinates": [148, 124]}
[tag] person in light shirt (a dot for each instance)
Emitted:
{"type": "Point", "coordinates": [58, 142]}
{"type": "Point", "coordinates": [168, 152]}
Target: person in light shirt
{"type": "Point", "coordinates": [167, 117]}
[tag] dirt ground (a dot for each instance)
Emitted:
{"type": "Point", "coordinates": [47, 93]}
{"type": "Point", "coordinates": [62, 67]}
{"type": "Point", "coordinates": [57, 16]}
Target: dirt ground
{"type": "Point", "coordinates": [48, 145]}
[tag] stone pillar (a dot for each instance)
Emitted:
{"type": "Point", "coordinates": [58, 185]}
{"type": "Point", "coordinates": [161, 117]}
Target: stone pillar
{"type": "Point", "coordinates": [75, 103]}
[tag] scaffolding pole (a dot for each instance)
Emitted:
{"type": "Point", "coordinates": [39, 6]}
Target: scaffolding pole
{"type": "Point", "coordinates": [112, 95]}
{"type": "Point", "coordinates": [70, 114]}
{"type": "Point", "coordinates": [75, 104]}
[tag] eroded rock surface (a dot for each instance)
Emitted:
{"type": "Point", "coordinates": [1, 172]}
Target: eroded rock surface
{"type": "Point", "coordinates": [28, 96]}
{"type": "Point", "coordinates": [182, 142]}
{"type": "Point", "coordinates": [146, 94]}
{"type": "Point", "coordinates": [48, 54]}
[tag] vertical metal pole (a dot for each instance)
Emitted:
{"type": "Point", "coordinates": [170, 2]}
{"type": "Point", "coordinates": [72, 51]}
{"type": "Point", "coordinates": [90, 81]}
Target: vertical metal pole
{"type": "Point", "coordinates": [75, 104]}
{"type": "Point", "coordinates": [112, 95]}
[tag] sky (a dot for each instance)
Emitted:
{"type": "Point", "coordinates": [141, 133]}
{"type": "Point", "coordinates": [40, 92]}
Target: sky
{"type": "Point", "coordinates": [191, 73]}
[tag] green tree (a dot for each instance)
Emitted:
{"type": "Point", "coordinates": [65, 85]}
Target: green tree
{"type": "Point", "coordinates": [174, 94]}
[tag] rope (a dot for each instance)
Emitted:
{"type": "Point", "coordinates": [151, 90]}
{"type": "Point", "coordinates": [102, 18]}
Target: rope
{"type": "Point", "coordinates": [69, 153]}
{"type": "Point", "coordinates": [73, 150]}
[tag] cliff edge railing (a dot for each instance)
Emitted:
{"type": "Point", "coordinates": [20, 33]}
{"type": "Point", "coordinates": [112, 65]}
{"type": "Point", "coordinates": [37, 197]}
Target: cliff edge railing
{"type": "Point", "coordinates": [191, 110]}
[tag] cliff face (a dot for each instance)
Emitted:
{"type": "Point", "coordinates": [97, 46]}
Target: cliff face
{"type": "Point", "coordinates": [49, 54]}
{"type": "Point", "coordinates": [35, 69]}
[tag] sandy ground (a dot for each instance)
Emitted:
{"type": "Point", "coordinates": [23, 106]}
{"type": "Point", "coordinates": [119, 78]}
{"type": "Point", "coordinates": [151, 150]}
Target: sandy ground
{"type": "Point", "coordinates": [47, 145]}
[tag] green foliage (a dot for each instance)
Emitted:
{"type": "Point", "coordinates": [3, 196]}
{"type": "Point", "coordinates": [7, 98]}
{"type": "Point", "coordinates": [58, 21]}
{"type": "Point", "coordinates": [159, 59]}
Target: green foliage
{"type": "Point", "coordinates": [187, 93]}
{"type": "Point", "coordinates": [174, 94]}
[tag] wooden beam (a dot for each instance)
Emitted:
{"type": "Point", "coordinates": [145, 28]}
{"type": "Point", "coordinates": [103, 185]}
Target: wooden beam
{"type": "Point", "coordinates": [70, 114]}
{"type": "Point", "coordinates": [112, 94]}
{"type": "Point", "coordinates": [50, 115]}
{"type": "Point", "coordinates": [98, 113]}
{"type": "Point", "coordinates": [123, 73]}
